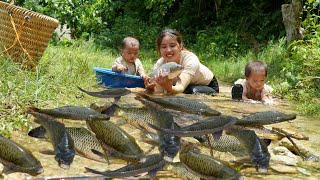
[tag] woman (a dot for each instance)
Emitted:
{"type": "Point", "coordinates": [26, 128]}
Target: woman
{"type": "Point", "coordinates": [194, 78]}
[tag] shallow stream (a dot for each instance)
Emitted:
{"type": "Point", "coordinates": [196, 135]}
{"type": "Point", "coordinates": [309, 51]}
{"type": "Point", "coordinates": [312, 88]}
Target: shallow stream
{"type": "Point", "coordinates": [308, 126]}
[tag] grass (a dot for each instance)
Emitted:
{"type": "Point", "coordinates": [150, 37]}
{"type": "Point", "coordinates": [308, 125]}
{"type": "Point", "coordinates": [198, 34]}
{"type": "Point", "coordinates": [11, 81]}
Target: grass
{"type": "Point", "coordinates": [63, 68]}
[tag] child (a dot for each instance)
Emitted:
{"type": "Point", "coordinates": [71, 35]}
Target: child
{"type": "Point", "coordinates": [254, 87]}
{"type": "Point", "coordinates": [128, 62]}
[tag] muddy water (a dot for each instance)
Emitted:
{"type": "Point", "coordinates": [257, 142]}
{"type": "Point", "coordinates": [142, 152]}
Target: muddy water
{"type": "Point", "coordinates": [308, 126]}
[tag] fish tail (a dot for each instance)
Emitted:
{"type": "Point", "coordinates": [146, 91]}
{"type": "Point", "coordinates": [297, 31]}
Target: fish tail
{"type": "Point", "coordinates": [31, 109]}
{"type": "Point", "coordinates": [81, 89]}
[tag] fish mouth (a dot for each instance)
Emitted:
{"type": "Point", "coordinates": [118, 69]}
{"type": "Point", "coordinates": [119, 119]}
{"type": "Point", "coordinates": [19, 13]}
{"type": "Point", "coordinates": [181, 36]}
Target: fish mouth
{"type": "Point", "coordinates": [168, 159]}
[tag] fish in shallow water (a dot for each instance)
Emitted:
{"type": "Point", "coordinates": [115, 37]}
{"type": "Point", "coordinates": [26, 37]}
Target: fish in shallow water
{"type": "Point", "coordinates": [115, 93]}
{"type": "Point", "coordinates": [180, 104]}
{"type": "Point", "coordinates": [72, 112]}
{"type": "Point", "coordinates": [84, 141]}
{"type": "Point", "coordinates": [115, 141]}
{"type": "Point", "coordinates": [142, 117]}
{"type": "Point", "coordinates": [180, 171]}
{"type": "Point", "coordinates": [264, 118]}
{"type": "Point", "coordinates": [205, 166]}
{"type": "Point", "coordinates": [18, 158]}
{"type": "Point", "coordinates": [170, 69]}
{"type": "Point", "coordinates": [208, 126]}
{"type": "Point", "coordinates": [151, 165]}
{"type": "Point", "coordinates": [254, 147]}
{"type": "Point", "coordinates": [60, 139]}
{"type": "Point", "coordinates": [137, 117]}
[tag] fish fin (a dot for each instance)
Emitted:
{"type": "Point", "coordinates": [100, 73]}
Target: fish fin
{"type": "Point", "coordinates": [116, 99]}
{"type": "Point", "coordinates": [267, 142]}
{"type": "Point", "coordinates": [110, 110]}
{"type": "Point", "coordinates": [156, 128]}
{"type": "Point", "coordinates": [47, 152]}
{"type": "Point", "coordinates": [101, 155]}
{"type": "Point", "coordinates": [217, 135]}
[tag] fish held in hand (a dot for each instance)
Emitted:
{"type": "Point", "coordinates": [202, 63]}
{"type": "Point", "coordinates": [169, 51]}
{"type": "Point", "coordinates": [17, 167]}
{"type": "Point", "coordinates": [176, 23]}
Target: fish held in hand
{"type": "Point", "coordinates": [265, 117]}
{"type": "Point", "coordinates": [71, 112]}
{"type": "Point", "coordinates": [18, 158]}
{"type": "Point", "coordinates": [151, 165]}
{"type": "Point", "coordinates": [170, 69]}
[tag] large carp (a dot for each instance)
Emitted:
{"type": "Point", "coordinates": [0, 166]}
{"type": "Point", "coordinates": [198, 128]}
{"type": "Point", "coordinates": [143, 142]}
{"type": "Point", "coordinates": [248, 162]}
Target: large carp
{"type": "Point", "coordinates": [72, 112]}
{"type": "Point", "coordinates": [60, 139]}
{"type": "Point", "coordinates": [170, 69]}
{"type": "Point", "coordinates": [18, 158]}
{"type": "Point", "coordinates": [264, 118]}
{"type": "Point", "coordinates": [208, 126]}
{"type": "Point", "coordinates": [84, 141]}
{"type": "Point", "coordinates": [254, 147]}
{"type": "Point", "coordinates": [151, 165]}
{"type": "Point", "coordinates": [180, 104]}
{"type": "Point", "coordinates": [205, 166]}
{"type": "Point", "coordinates": [115, 141]}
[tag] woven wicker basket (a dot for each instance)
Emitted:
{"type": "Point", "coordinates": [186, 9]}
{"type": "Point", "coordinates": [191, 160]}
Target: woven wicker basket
{"type": "Point", "coordinates": [34, 29]}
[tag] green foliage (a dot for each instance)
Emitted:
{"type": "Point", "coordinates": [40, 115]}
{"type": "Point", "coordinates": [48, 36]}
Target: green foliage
{"type": "Point", "coordinates": [127, 26]}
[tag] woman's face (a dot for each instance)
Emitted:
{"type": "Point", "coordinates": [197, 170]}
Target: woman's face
{"type": "Point", "coordinates": [170, 49]}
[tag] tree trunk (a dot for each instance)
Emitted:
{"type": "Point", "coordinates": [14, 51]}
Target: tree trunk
{"type": "Point", "coordinates": [291, 14]}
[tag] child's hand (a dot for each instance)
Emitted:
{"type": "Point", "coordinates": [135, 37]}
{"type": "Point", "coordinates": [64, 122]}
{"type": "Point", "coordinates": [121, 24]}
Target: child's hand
{"type": "Point", "coordinates": [149, 86]}
{"type": "Point", "coordinates": [121, 68]}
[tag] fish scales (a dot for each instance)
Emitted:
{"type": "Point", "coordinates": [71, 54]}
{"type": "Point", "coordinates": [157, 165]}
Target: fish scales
{"type": "Point", "coordinates": [18, 158]}
{"type": "Point", "coordinates": [152, 163]}
{"type": "Point", "coordinates": [138, 117]}
{"type": "Point", "coordinates": [265, 117]}
{"type": "Point", "coordinates": [72, 112]}
{"type": "Point", "coordinates": [208, 167]}
{"type": "Point", "coordinates": [61, 140]}
{"type": "Point", "coordinates": [84, 141]}
{"type": "Point", "coordinates": [226, 143]}
{"type": "Point", "coordinates": [182, 104]}
{"type": "Point", "coordinates": [113, 136]}
{"type": "Point", "coordinates": [181, 171]}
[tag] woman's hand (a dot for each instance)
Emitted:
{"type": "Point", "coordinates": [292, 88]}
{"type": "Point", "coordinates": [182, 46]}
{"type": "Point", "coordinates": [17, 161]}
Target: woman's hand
{"type": "Point", "coordinates": [163, 80]}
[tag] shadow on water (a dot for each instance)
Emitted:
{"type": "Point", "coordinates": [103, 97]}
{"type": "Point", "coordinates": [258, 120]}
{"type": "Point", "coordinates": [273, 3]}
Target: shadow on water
{"type": "Point", "coordinates": [308, 126]}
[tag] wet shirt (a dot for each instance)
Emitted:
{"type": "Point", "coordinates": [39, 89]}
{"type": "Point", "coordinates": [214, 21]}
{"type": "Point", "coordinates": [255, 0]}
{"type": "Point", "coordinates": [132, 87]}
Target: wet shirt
{"type": "Point", "coordinates": [193, 72]}
{"type": "Point", "coordinates": [135, 68]}
{"type": "Point", "coordinates": [265, 93]}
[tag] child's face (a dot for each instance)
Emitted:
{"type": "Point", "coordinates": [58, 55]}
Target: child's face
{"type": "Point", "coordinates": [170, 49]}
{"type": "Point", "coordinates": [130, 53]}
{"type": "Point", "coordinates": [257, 79]}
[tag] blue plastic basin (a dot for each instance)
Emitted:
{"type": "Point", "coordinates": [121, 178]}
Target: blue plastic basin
{"type": "Point", "coordinates": [117, 80]}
